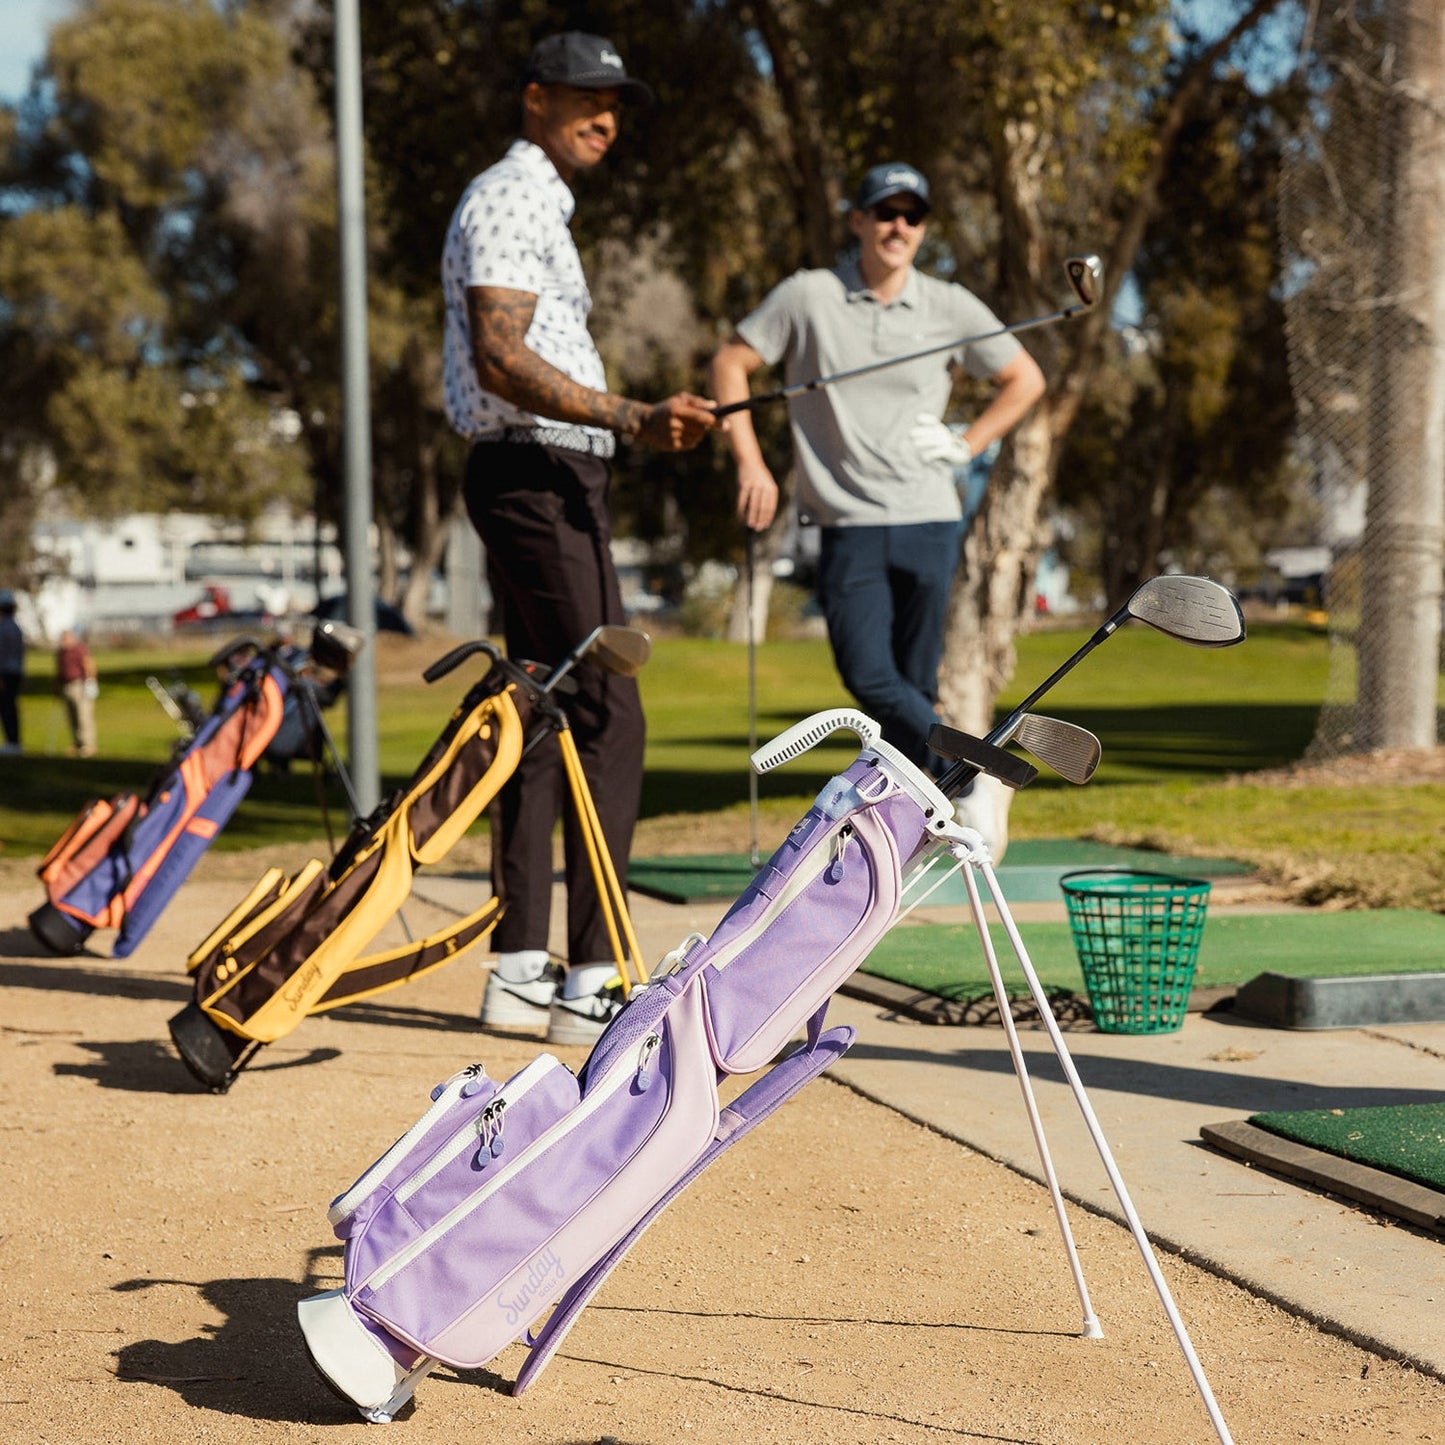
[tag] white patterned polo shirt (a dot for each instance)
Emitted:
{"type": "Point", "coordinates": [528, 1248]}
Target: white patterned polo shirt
{"type": "Point", "coordinates": [510, 229]}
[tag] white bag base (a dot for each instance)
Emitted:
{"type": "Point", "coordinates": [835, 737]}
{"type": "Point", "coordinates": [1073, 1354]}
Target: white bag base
{"type": "Point", "coordinates": [351, 1360]}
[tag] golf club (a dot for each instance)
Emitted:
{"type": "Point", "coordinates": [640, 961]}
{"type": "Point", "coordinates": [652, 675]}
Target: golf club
{"type": "Point", "coordinates": [1069, 750]}
{"type": "Point", "coordinates": [621, 650]}
{"type": "Point", "coordinates": [755, 856]}
{"type": "Point", "coordinates": [1195, 610]}
{"type": "Point", "coordinates": [1084, 272]}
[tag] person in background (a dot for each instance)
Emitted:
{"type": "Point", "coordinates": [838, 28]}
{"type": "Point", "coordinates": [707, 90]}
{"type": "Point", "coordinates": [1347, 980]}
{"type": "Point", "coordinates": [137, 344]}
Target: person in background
{"type": "Point", "coordinates": [78, 685]}
{"type": "Point", "coordinates": [873, 458]}
{"type": "Point", "coordinates": [12, 672]}
{"type": "Point", "coordinates": [524, 383]}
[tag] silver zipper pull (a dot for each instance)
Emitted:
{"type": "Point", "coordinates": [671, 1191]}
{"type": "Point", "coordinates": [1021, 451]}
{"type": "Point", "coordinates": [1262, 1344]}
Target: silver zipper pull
{"type": "Point", "coordinates": [469, 1073]}
{"type": "Point", "coordinates": [489, 1132]}
{"type": "Point", "coordinates": [644, 1074]}
{"type": "Point", "coordinates": [840, 852]}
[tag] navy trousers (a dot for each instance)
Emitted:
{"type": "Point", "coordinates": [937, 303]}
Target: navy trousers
{"type": "Point", "coordinates": [884, 592]}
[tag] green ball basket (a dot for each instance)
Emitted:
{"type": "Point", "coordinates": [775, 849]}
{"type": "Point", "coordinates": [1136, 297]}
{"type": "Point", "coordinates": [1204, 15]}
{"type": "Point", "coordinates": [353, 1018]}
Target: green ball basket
{"type": "Point", "coordinates": [1137, 937]}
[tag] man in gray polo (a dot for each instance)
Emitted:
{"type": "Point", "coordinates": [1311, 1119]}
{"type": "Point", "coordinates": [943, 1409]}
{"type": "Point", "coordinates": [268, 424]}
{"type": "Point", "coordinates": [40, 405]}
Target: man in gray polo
{"type": "Point", "coordinates": [873, 459]}
{"type": "Point", "coordinates": [524, 383]}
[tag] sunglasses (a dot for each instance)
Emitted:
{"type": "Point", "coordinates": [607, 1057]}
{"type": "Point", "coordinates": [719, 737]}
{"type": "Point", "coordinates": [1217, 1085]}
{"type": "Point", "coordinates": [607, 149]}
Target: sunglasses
{"type": "Point", "coordinates": [909, 215]}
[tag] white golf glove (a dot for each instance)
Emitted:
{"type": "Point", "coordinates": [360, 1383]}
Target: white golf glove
{"type": "Point", "coordinates": [934, 442]}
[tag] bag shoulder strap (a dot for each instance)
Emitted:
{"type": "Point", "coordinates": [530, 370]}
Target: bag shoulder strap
{"type": "Point", "coordinates": [748, 1110]}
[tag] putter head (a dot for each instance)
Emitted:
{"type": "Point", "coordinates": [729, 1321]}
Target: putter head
{"type": "Point", "coordinates": [1069, 750]}
{"type": "Point", "coordinates": [622, 650]}
{"type": "Point", "coordinates": [1192, 609]}
{"type": "Point", "coordinates": [1086, 277]}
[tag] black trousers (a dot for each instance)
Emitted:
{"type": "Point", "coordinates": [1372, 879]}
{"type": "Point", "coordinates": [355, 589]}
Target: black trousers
{"type": "Point", "coordinates": [10, 706]}
{"type": "Point", "coordinates": [541, 513]}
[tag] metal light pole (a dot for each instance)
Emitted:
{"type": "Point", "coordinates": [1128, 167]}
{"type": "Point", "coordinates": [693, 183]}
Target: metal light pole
{"type": "Point", "coordinates": [355, 403]}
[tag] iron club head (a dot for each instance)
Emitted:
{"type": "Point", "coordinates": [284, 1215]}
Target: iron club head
{"type": "Point", "coordinates": [1086, 277]}
{"type": "Point", "coordinates": [622, 650]}
{"type": "Point", "coordinates": [1069, 750]}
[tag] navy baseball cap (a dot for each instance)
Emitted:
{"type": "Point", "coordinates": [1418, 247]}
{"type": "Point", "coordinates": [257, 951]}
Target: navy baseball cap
{"type": "Point", "coordinates": [893, 179]}
{"type": "Point", "coordinates": [587, 62]}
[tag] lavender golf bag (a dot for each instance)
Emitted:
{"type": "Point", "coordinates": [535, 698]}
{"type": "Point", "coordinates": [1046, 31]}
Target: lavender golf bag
{"type": "Point", "coordinates": [121, 861]}
{"type": "Point", "coordinates": [505, 1198]}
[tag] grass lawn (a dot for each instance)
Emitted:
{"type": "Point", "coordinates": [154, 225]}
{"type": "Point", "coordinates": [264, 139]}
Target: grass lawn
{"type": "Point", "coordinates": [1177, 725]}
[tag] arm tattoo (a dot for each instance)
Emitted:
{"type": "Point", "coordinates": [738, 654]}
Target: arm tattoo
{"type": "Point", "coordinates": [506, 367]}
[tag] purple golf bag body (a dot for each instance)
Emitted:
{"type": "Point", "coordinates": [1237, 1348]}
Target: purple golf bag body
{"type": "Point", "coordinates": [505, 1199]}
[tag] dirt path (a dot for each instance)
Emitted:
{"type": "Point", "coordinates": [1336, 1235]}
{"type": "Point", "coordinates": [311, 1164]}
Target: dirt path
{"type": "Point", "coordinates": [842, 1276]}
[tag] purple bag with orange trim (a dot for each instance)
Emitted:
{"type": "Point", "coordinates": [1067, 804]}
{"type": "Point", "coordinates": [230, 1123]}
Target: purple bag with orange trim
{"type": "Point", "coordinates": [121, 861]}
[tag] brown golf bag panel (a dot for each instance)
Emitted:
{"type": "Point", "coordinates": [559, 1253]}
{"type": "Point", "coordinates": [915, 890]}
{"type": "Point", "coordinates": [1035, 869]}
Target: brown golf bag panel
{"type": "Point", "coordinates": [293, 947]}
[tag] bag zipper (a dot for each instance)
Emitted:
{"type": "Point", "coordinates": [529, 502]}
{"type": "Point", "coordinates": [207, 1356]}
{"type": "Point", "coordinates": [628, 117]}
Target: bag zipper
{"type": "Point", "coordinates": [822, 859]}
{"type": "Point", "coordinates": [620, 1078]}
{"type": "Point", "coordinates": [443, 1097]}
{"type": "Point", "coordinates": [467, 1135]}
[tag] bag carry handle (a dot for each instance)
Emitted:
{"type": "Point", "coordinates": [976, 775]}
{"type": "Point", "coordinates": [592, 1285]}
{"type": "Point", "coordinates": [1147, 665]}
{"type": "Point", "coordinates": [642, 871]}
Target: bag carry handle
{"type": "Point", "coordinates": [793, 742]}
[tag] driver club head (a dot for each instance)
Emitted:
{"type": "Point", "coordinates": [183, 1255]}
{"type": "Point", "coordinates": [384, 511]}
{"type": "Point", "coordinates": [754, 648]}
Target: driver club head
{"type": "Point", "coordinates": [1193, 609]}
{"type": "Point", "coordinates": [1066, 748]}
{"type": "Point", "coordinates": [1086, 277]}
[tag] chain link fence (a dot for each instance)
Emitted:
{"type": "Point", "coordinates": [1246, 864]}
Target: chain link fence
{"type": "Point", "coordinates": [1363, 325]}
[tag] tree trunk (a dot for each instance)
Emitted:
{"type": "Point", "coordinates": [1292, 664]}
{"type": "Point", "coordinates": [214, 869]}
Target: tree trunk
{"type": "Point", "coordinates": [1404, 541]}
{"type": "Point", "coordinates": [994, 585]}
{"type": "Point", "coordinates": [429, 537]}
{"type": "Point", "coordinates": [387, 563]}
{"type": "Point", "coordinates": [814, 188]}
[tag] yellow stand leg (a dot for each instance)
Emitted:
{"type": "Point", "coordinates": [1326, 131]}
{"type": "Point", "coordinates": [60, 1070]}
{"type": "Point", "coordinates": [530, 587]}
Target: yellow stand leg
{"type": "Point", "coordinates": [609, 890]}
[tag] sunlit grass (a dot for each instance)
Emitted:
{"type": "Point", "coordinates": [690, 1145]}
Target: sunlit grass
{"type": "Point", "coordinates": [1178, 727]}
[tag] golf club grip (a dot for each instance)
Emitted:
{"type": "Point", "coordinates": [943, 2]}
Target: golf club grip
{"type": "Point", "coordinates": [456, 657]}
{"type": "Point", "coordinates": [751, 404]}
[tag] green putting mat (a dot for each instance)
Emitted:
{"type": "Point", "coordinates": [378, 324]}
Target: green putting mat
{"type": "Point", "coordinates": [946, 959]}
{"type": "Point", "coordinates": [691, 877]}
{"type": "Point", "coordinates": [1030, 873]}
{"type": "Point", "coordinates": [1406, 1139]}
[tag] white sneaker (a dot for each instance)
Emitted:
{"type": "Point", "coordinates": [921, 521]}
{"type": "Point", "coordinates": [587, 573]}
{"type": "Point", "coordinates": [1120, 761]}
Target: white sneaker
{"type": "Point", "coordinates": [581, 1020]}
{"type": "Point", "coordinates": [984, 808]}
{"type": "Point", "coordinates": [507, 1005]}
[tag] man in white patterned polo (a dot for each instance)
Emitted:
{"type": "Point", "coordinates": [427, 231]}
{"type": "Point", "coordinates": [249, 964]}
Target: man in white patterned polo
{"type": "Point", "coordinates": [524, 382]}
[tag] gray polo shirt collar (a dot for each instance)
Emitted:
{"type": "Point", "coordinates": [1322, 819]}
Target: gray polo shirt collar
{"type": "Point", "coordinates": [857, 289]}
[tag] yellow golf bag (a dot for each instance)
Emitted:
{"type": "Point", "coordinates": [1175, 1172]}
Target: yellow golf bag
{"type": "Point", "coordinates": [294, 946]}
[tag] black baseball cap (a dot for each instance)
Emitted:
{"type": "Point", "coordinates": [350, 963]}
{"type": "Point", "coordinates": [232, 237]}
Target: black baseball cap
{"type": "Point", "coordinates": [587, 62]}
{"type": "Point", "coordinates": [893, 179]}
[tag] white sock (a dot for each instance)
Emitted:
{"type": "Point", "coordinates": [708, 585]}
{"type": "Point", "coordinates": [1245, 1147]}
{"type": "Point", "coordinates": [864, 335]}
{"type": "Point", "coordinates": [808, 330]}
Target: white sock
{"type": "Point", "coordinates": [586, 978]}
{"type": "Point", "coordinates": [522, 966]}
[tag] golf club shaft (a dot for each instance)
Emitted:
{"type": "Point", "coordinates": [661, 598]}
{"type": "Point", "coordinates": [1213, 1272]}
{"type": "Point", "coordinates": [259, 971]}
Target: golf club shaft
{"type": "Point", "coordinates": [961, 773]}
{"type": "Point", "coordinates": [754, 856]}
{"type": "Point", "coordinates": [799, 387]}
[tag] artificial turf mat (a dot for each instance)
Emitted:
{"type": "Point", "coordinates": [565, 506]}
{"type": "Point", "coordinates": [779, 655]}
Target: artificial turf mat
{"type": "Point", "coordinates": [946, 960]}
{"type": "Point", "coordinates": [1030, 874]}
{"type": "Point", "coordinates": [1406, 1139]}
